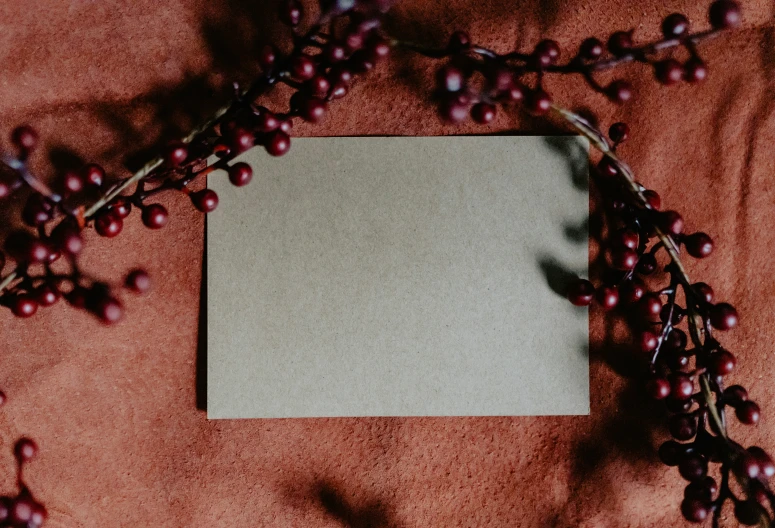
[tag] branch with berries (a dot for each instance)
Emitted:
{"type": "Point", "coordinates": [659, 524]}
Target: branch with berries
{"type": "Point", "coordinates": [674, 325]}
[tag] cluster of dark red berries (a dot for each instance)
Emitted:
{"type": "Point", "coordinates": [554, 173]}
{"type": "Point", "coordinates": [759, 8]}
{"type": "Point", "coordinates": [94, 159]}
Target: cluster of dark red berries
{"type": "Point", "coordinates": [344, 43]}
{"type": "Point", "coordinates": [678, 359]}
{"type": "Point", "coordinates": [476, 80]}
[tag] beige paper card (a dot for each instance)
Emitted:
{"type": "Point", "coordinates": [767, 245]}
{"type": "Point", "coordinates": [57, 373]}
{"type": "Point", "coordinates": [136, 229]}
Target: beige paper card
{"type": "Point", "coordinates": [397, 277]}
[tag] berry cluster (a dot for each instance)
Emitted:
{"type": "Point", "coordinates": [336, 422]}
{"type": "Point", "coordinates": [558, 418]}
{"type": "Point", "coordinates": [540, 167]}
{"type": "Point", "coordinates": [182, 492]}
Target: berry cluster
{"type": "Point", "coordinates": [476, 80]}
{"type": "Point", "coordinates": [673, 323]}
{"type": "Point", "coordinates": [343, 43]}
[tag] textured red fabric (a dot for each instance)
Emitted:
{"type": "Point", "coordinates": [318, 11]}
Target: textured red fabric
{"type": "Point", "coordinates": [115, 409]}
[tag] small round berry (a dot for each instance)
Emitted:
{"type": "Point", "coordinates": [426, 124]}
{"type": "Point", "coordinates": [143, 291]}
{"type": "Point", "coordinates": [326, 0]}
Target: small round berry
{"type": "Point", "coordinates": [47, 295]}
{"type": "Point", "coordinates": [267, 57]}
{"type": "Point", "coordinates": [619, 132]}
{"type": "Point", "coordinates": [724, 14]}
{"type": "Point", "coordinates": [107, 309]}
{"type": "Point", "coordinates": [138, 281]}
{"type": "Point", "coordinates": [653, 199]}
{"type": "Point", "coordinates": [25, 449]}
{"type": "Point", "coordinates": [746, 465]}
{"type": "Point", "coordinates": [240, 174]}
{"type": "Point", "coordinates": [672, 222]}
{"type": "Point", "coordinates": [651, 305]}
{"type": "Point", "coordinates": [608, 297]}
{"type": "Point", "coordinates": [766, 464]}
{"type": "Point", "coordinates": [267, 121]}
{"type": "Point", "coordinates": [240, 139]}
{"type": "Point", "coordinates": [721, 363]}
{"type": "Point", "coordinates": [675, 25]}
{"type": "Point", "coordinates": [67, 238]}
{"type": "Point", "coordinates": [93, 174]}
{"type": "Point", "coordinates": [694, 510]}
{"type": "Point", "coordinates": [668, 72]}
{"type": "Point", "coordinates": [658, 388]}
{"type": "Point", "coordinates": [23, 305]}
{"type": "Point", "coordinates": [633, 290]}
{"type": "Point", "coordinates": [681, 386]}
{"type": "Point", "coordinates": [38, 210]}
{"type": "Point", "coordinates": [749, 512]}
{"type": "Point", "coordinates": [627, 238]}
{"type": "Point", "coordinates": [454, 109]}
{"type": "Point", "coordinates": [121, 207]}
{"type": "Point", "coordinates": [647, 264]}
{"type": "Point", "coordinates": [334, 52]}
{"type": "Point", "coordinates": [108, 224]}
{"type": "Point", "coordinates": [538, 102]}
{"type": "Point", "coordinates": [353, 41]}
{"type": "Point", "coordinates": [21, 511]}
{"type": "Point", "coordinates": [624, 259]}
{"type": "Point", "coordinates": [607, 167]}
{"type": "Point", "coordinates": [676, 340]}
{"type": "Point", "coordinates": [682, 426]}
{"type": "Point", "coordinates": [546, 52]}
{"type": "Point", "coordinates": [483, 113]}
{"type": "Point", "coordinates": [459, 41]}
{"type": "Point", "coordinates": [735, 394]}
{"type": "Point", "coordinates": [24, 138]}
{"type": "Point", "coordinates": [377, 49]}
{"type": "Point", "coordinates": [671, 452]}
{"type": "Point", "coordinates": [702, 489]}
{"type": "Point", "coordinates": [723, 316]}
{"type": "Point", "coordinates": [619, 91]}
{"type": "Point", "coordinates": [678, 361]}
{"type": "Point", "coordinates": [318, 87]}
{"type": "Point", "coordinates": [72, 182]}
{"type": "Point", "coordinates": [648, 341]}
{"type": "Point", "coordinates": [695, 71]}
{"type": "Point", "coordinates": [581, 292]}
{"type": "Point", "coordinates": [175, 153]}
{"type": "Point", "coordinates": [78, 297]}
{"type": "Point", "coordinates": [155, 216]}
{"type": "Point", "coordinates": [591, 49]}
{"type": "Point", "coordinates": [205, 200]}
{"type": "Point", "coordinates": [693, 468]}
{"type": "Point", "coordinates": [290, 12]}
{"type": "Point", "coordinates": [748, 412]}
{"type": "Point", "coordinates": [312, 110]}
{"type": "Point", "coordinates": [303, 67]}
{"type": "Point", "coordinates": [278, 143]}
{"type": "Point", "coordinates": [38, 517]}
{"type": "Point", "coordinates": [704, 291]}
{"type": "Point", "coordinates": [699, 245]}
{"type": "Point", "coordinates": [451, 79]}
{"type": "Point", "coordinates": [620, 43]}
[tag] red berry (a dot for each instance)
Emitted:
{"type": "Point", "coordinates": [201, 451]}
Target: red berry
{"type": "Point", "coordinates": [675, 25]}
{"type": "Point", "coordinates": [240, 174]}
{"type": "Point", "coordinates": [627, 238]}
{"type": "Point", "coordinates": [672, 222]}
{"type": "Point", "coordinates": [619, 132]}
{"type": "Point", "coordinates": [747, 412]}
{"type": "Point", "coordinates": [107, 309]}
{"type": "Point", "coordinates": [721, 363]}
{"type": "Point", "coordinates": [624, 259]}
{"type": "Point", "coordinates": [651, 305]}
{"type": "Point", "coordinates": [619, 91]}
{"type": "Point", "coordinates": [591, 49]}
{"type": "Point", "coordinates": [546, 52]}
{"type": "Point", "coordinates": [267, 57]}
{"type": "Point", "coordinates": [291, 12]}
{"type": "Point", "coordinates": [278, 143]}
{"type": "Point", "coordinates": [312, 110]}
{"type": "Point", "coordinates": [266, 121]}
{"type": "Point", "coordinates": [607, 167]}
{"type": "Point", "coordinates": [155, 216]}
{"type": "Point", "coordinates": [682, 426]}
{"type": "Point", "coordinates": [67, 238]}
{"type": "Point", "coordinates": [704, 291]}
{"type": "Point", "coordinates": [38, 210]}
{"type": "Point", "coordinates": [724, 14]}
{"type": "Point", "coordinates": [694, 510]}
{"type": "Point", "coordinates": [633, 290]}
{"type": "Point", "coordinates": [240, 139]}
{"type": "Point", "coordinates": [620, 43]}
{"type": "Point", "coordinates": [581, 292]}
{"type": "Point", "coordinates": [25, 449]}
{"type": "Point", "coordinates": [746, 465]}
{"type": "Point", "coordinates": [459, 41]}
{"type": "Point", "coordinates": [608, 297]}
{"type": "Point", "coordinates": [47, 294]}
{"type": "Point", "coordinates": [24, 138]}
{"type": "Point", "coordinates": [735, 394]}
{"type": "Point", "coordinates": [319, 86]}
{"type": "Point", "coordinates": [647, 264]}
{"type": "Point", "coordinates": [21, 511]}
{"type": "Point", "coordinates": [723, 316]}
{"type": "Point", "coordinates": [72, 182]}
{"type": "Point", "coordinates": [668, 72]}
{"type": "Point", "coordinates": [648, 341]}
{"type": "Point", "coordinates": [205, 200]}
{"type": "Point", "coordinates": [121, 206]}
{"type": "Point", "coordinates": [25, 248]}
{"type": "Point", "coordinates": [451, 79]}
{"type": "Point", "coordinates": [23, 305]}
{"type": "Point", "coordinates": [334, 52]}
{"type": "Point", "coordinates": [483, 113]}
{"type": "Point", "coordinates": [454, 108]}
{"type": "Point", "coordinates": [138, 281]}
{"type": "Point", "coordinates": [108, 224]}
{"type": "Point", "coordinates": [538, 102]}
{"type": "Point", "coordinates": [93, 174]}
{"type": "Point", "coordinates": [699, 245]}
{"type": "Point", "coordinates": [766, 465]}
{"type": "Point", "coordinates": [653, 199]}
{"type": "Point", "coordinates": [695, 71]}
{"type": "Point", "coordinates": [693, 467]}
{"type": "Point", "coordinates": [302, 67]}
{"type": "Point", "coordinates": [175, 153]}
{"type": "Point", "coordinates": [658, 388]}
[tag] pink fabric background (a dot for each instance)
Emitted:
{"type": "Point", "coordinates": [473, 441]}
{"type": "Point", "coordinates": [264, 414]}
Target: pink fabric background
{"type": "Point", "coordinates": [115, 409]}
